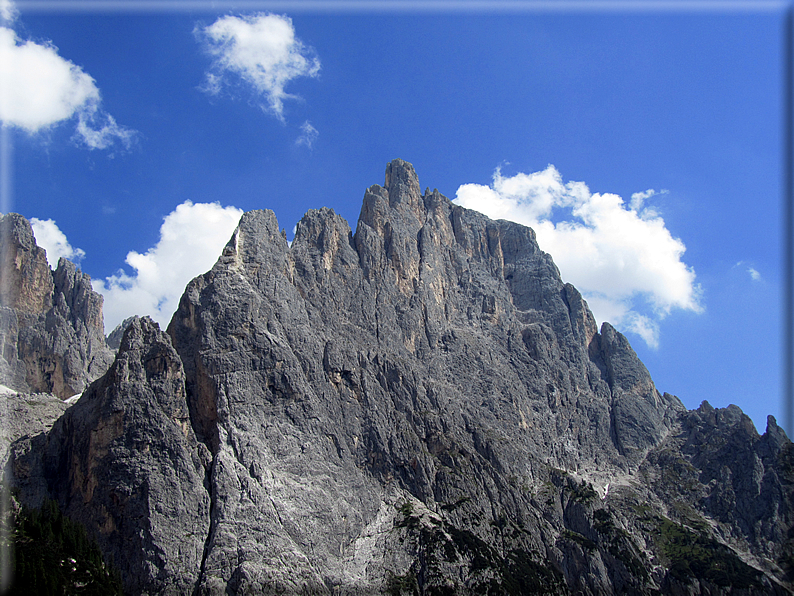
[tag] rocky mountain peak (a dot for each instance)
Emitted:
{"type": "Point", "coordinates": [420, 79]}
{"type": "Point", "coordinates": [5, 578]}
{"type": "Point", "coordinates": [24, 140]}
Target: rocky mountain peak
{"type": "Point", "coordinates": [26, 284]}
{"type": "Point", "coordinates": [125, 462]}
{"type": "Point", "coordinates": [402, 187]}
{"type": "Point", "coordinates": [256, 238]}
{"type": "Point", "coordinates": [420, 407]}
{"type": "Point", "coordinates": [77, 301]}
{"type": "Point", "coordinates": [51, 321]}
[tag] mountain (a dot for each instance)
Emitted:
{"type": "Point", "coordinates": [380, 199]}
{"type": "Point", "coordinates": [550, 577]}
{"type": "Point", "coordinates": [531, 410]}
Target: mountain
{"type": "Point", "coordinates": [421, 406]}
{"type": "Point", "coordinates": [52, 342]}
{"type": "Point", "coordinates": [53, 338]}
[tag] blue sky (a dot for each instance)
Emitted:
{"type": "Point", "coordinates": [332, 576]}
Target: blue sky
{"type": "Point", "coordinates": [644, 145]}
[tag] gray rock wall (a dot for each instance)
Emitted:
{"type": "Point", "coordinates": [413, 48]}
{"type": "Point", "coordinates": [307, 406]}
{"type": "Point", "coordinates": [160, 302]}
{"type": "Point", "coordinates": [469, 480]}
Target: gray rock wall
{"type": "Point", "coordinates": [434, 355]}
{"type": "Point", "coordinates": [421, 406]}
{"type": "Point", "coordinates": [51, 324]}
{"type": "Point", "coordinates": [125, 462]}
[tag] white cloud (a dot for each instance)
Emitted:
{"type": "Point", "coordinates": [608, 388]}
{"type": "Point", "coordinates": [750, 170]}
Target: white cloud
{"type": "Point", "coordinates": [50, 238]}
{"type": "Point", "coordinates": [263, 51]}
{"type": "Point", "coordinates": [191, 239]}
{"type": "Point", "coordinates": [617, 257]}
{"type": "Point", "coordinates": [8, 11]}
{"type": "Point", "coordinates": [755, 275]}
{"type": "Point", "coordinates": [100, 131]}
{"type": "Point", "coordinates": [645, 327]}
{"type": "Point", "coordinates": [638, 198]}
{"type": "Point", "coordinates": [39, 88]}
{"type": "Point", "coordinates": [308, 135]}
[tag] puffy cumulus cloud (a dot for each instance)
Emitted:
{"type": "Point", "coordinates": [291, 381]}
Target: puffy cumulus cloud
{"type": "Point", "coordinates": [308, 135]}
{"type": "Point", "coordinates": [49, 237]}
{"type": "Point", "coordinates": [191, 240]}
{"type": "Point", "coordinates": [618, 256]}
{"type": "Point", "coordinates": [39, 88]}
{"type": "Point", "coordinates": [262, 51]}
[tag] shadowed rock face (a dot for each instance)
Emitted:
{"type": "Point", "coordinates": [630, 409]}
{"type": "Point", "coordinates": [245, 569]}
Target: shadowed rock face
{"type": "Point", "coordinates": [125, 462]}
{"type": "Point", "coordinates": [51, 323]}
{"type": "Point", "coordinates": [421, 406]}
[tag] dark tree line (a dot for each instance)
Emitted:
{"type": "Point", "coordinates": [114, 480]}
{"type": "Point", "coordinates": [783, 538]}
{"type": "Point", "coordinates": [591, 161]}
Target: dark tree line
{"type": "Point", "coordinates": [54, 555]}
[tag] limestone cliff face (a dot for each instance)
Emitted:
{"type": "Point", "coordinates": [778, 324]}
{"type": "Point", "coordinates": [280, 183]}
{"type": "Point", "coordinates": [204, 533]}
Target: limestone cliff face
{"type": "Point", "coordinates": [124, 461]}
{"type": "Point", "coordinates": [392, 404]}
{"type": "Point", "coordinates": [51, 324]}
{"type": "Point", "coordinates": [421, 406]}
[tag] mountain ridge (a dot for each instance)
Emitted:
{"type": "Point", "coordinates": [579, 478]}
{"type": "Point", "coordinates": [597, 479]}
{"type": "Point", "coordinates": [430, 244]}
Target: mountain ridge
{"type": "Point", "coordinates": [53, 332]}
{"type": "Point", "coordinates": [421, 406]}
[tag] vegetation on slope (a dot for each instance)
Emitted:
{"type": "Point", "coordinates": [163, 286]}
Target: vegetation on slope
{"type": "Point", "coordinates": [53, 555]}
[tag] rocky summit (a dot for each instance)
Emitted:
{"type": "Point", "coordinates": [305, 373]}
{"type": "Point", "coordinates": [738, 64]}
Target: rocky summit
{"type": "Point", "coordinates": [420, 406]}
{"type": "Point", "coordinates": [51, 326]}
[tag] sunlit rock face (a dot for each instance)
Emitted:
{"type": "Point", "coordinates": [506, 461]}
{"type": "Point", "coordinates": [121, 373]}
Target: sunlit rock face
{"type": "Point", "coordinates": [51, 321]}
{"type": "Point", "coordinates": [421, 406]}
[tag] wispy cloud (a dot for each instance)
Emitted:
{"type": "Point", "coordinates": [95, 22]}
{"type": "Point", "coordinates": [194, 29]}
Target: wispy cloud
{"type": "Point", "coordinates": [99, 130]}
{"type": "Point", "coordinates": [263, 52]}
{"type": "Point", "coordinates": [308, 135]}
{"type": "Point", "coordinates": [50, 237]}
{"type": "Point", "coordinates": [191, 239]}
{"type": "Point", "coordinates": [8, 11]}
{"type": "Point", "coordinates": [754, 274]}
{"type": "Point", "coordinates": [617, 256]}
{"type": "Point", "coordinates": [39, 89]}
{"type": "Point", "coordinates": [638, 198]}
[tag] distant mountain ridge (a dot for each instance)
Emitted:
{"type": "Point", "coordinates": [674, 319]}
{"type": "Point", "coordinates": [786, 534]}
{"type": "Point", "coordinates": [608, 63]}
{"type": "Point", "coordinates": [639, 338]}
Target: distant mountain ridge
{"type": "Point", "coordinates": [52, 328]}
{"type": "Point", "coordinates": [421, 406]}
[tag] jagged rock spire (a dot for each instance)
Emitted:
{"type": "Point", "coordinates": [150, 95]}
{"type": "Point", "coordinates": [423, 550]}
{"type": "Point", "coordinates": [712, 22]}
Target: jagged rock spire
{"type": "Point", "coordinates": [423, 406]}
{"type": "Point", "coordinates": [51, 323]}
